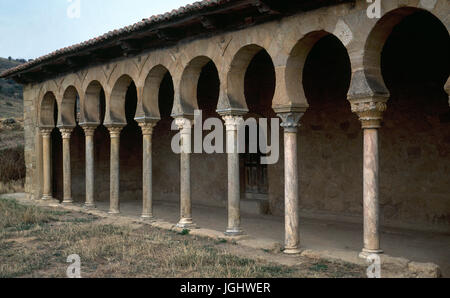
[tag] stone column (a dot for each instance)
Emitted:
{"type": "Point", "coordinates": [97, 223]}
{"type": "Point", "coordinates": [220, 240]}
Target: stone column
{"type": "Point", "coordinates": [185, 127]}
{"type": "Point", "coordinates": [47, 165]}
{"type": "Point", "coordinates": [147, 186]}
{"type": "Point", "coordinates": [89, 134]}
{"type": "Point", "coordinates": [290, 123]}
{"type": "Point", "coordinates": [232, 124]}
{"type": "Point", "coordinates": [370, 112]}
{"type": "Point", "coordinates": [114, 189]}
{"type": "Point", "coordinates": [67, 172]}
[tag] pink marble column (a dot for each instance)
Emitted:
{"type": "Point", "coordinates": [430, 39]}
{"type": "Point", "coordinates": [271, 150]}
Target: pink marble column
{"type": "Point", "coordinates": [89, 132]}
{"type": "Point", "coordinates": [232, 124]}
{"type": "Point", "coordinates": [185, 127]}
{"type": "Point", "coordinates": [147, 186]}
{"type": "Point", "coordinates": [47, 166]}
{"type": "Point", "coordinates": [67, 171]}
{"type": "Point", "coordinates": [370, 112]}
{"type": "Point", "coordinates": [291, 192]}
{"type": "Point", "coordinates": [114, 170]}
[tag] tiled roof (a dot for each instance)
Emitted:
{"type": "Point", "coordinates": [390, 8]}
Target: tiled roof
{"type": "Point", "coordinates": [153, 20]}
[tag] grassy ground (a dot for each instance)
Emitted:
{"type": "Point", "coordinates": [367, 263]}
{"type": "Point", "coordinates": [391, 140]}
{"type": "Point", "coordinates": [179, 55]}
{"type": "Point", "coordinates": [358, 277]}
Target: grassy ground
{"type": "Point", "coordinates": [35, 242]}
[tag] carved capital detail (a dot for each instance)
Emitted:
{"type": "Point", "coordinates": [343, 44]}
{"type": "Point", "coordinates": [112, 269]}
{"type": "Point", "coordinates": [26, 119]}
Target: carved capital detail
{"type": "Point", "coordinates": [46, 132]}
{"type": "Point", "coordinates": [147, 128]}
{"type": "Point", "coordinates": [114, 132]}
{"type": "Point", "coordinates": [184, 125]}
{"type": "Point", "coordinates": [232, 123]}
{"type": "Point", "coordinates": [370, 112]}
{"type": "Point", "coordinates": [89, 131]}
{"type": "Point", "coordinates": [66, 132]}
{"type": "Point", "coordinates": [290, 121]}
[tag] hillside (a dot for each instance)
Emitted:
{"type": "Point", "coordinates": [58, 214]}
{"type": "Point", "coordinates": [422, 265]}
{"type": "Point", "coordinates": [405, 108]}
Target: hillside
{"type": "Point", "coordinates": [11, 104]}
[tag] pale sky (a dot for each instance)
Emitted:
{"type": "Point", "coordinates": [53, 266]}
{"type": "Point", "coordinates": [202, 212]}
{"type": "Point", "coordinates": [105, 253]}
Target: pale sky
{"type": "Point", "coordinates": [32, 28]}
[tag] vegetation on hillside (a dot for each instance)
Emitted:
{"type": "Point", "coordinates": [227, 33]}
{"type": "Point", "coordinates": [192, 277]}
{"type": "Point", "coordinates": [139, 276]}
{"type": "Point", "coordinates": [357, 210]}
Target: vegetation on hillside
{"type": "Point", "coordinates": [11, 105]}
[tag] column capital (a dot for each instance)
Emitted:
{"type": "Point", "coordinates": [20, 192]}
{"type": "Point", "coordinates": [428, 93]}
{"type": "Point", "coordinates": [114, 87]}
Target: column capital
{"type": "Point", "coordinates": [290, 121]}
{"type": "Point", "coordinates": [66, 132]}
{"type": "Point", "coordinates": [370, 111]}
{"type": "Point", "coordinates": [46, 131]}
{"type": "Point", "coordinates": [184, 124]}
{"type": "Point", "coordinates": [147, 128]}
{"type": "Point", "coordinates": [232, 122]}
{"type": "Point", "coordinates": [89, 130]}
{"type": "Point", "coordinates": [114, 131]}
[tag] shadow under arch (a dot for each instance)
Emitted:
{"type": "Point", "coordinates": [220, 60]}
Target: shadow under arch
{"type": "Point", "coordinates": [415, 148]}
{"type": "Point", "coordinates": [93, 107]}
{"type": "Point", "coordinates": [189, 84]}
{"type": "Point", "coordinates": [376, 41]}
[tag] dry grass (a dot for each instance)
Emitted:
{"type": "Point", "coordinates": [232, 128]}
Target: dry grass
{"type": "Point", "coordinates": [110, 249]}
{"type": "Point", "coordinates": [17, 217]}
{"type": "Point", "coordinates": [15, 186]}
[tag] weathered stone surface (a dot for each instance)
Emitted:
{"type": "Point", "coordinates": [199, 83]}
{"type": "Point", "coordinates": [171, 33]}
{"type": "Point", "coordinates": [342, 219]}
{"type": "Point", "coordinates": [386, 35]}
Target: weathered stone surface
{"type": "Point", "coordinates": [424, 270]}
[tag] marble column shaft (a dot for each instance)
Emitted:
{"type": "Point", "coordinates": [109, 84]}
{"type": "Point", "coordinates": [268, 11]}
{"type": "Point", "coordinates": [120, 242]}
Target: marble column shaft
{"type": "Point", "coordinates": [185, 127]}
{"type": "Point", "coordinates": [114, 170]}
{"type": "Point", "coordinates": [370, 190]}
{"type": "Point", "coordinates": [89, 132]}
{"type": "Point", "coordinates": [370, 112]}
{"type": "Point", "coordinates": [47, 164]}
{"type": "Point", "coordinates": [147, 186]}
{"type": "Point", "coordinates": [67, 171]}
{"type": "Point", "coordinates": [291, 184]}
{"type": "Point", "coordinates": [232, 124]}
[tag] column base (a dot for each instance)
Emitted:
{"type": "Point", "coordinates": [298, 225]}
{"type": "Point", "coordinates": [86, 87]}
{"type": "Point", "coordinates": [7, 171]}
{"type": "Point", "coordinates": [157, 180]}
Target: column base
{"type": "Point", "coordinates": [367, 252]}
{"type": "Point", "coordinates": [186, 223]}
{"type": "Point", "coordinates": [148, 217]}
{"type": "Point", "coordinates": [113, 212]}
{"type": "Point", "coordinates": [50, 200]}
{"type": "Point", "coordinates": [231, 232]}
{"type": "Point", "coordinates": [292, 251]}
{"type": "Point", "coordinates": [89, 206]}
{"type": "Point", "coordinates": [67, 202]}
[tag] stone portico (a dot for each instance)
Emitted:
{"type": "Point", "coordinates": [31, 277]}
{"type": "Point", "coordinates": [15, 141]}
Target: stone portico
{"type": "Point", "coordinates": [366, 132]}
